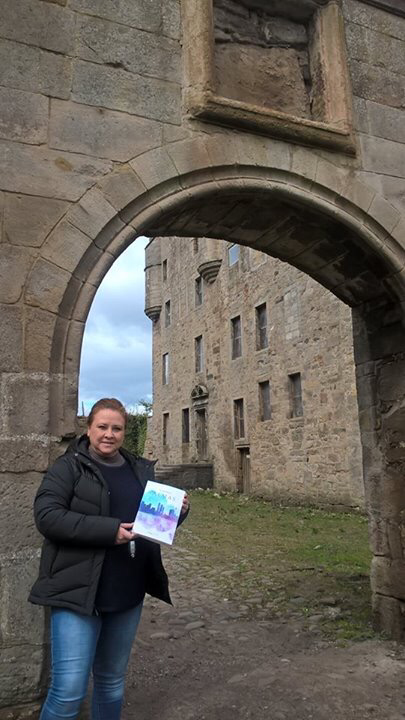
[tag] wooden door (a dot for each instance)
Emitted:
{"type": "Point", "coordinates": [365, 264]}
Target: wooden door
{"type": "Point", "coordinates": [201, 434]}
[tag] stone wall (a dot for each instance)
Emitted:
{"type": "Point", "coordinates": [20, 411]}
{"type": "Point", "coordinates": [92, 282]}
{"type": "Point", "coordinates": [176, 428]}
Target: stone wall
{"type": "Point", "coordinates": [376, 51]}
{"type": "Point", "coordinates": [313, 459]}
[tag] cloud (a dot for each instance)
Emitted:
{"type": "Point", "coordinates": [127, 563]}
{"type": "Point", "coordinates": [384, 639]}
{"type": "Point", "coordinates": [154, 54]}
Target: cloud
{"type": "Point", "coordinates": [116, 358]}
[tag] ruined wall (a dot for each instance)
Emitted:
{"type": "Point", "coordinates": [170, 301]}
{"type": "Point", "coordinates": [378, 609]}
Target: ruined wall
{"type": "Point", "coordinates": [271, 54]}
{"type": "Point", "coordinates": [315, 458]}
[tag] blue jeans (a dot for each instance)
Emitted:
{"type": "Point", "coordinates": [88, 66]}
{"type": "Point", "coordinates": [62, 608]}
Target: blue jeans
{"type": "Point", "coordinates": [81, 644]}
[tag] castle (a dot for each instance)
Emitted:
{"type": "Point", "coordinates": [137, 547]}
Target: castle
{"type": "Point", "coordinates": [253, 372]}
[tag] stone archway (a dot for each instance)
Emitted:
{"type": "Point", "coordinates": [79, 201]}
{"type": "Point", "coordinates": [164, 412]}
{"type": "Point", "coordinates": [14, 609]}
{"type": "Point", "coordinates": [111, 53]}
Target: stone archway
{"type": "Point", "coordinates": [341, 233]}
{"type": "Point", "coordinates": [167, 191]}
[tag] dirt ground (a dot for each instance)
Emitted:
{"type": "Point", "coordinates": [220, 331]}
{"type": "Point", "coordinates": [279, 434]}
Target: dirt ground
{"type": "Point", "coordinates": [207, 658]}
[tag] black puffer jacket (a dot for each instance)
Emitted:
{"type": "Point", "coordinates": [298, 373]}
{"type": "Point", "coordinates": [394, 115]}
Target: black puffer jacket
{"type": "Point", "coordinates": [71, 511]}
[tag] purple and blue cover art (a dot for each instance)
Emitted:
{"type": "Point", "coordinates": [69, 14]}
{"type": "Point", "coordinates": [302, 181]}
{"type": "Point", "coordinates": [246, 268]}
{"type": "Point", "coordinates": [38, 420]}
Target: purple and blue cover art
{"type": "Point", "coordinates": [159, 512]}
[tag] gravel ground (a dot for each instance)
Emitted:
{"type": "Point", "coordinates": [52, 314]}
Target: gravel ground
{"type": "Point", "coordinates": [207, 658]}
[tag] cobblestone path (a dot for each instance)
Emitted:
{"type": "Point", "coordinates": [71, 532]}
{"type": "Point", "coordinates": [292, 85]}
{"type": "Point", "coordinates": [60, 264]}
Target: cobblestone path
{"type": "Point", "coordinates": [206, 658]}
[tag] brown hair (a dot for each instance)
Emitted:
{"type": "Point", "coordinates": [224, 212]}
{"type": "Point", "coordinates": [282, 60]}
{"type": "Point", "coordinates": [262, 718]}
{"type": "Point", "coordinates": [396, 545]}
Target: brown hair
{"type": "Point", "coordinates": [107, 404]}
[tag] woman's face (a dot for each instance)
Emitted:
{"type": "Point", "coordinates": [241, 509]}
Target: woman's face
{"type": "Point", "coordinates": [106, 432]}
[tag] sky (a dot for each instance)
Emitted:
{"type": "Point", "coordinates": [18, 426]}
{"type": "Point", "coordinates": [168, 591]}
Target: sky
{"type": "Point", "coordinates": [116, 358]}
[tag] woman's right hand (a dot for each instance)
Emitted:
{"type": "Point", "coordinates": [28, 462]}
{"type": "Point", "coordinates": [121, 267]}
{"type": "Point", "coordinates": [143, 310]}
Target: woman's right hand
{"type": "Point", "coordinates": [124, 534]}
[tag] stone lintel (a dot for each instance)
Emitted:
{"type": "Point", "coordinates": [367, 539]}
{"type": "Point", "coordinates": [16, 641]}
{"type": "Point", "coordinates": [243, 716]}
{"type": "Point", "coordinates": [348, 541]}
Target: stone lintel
{"type": "Point", "coordinates": [268, 122]}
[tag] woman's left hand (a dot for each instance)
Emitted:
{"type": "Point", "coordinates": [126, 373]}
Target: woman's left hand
{"type": "Point", "coordinates": [186, 504]}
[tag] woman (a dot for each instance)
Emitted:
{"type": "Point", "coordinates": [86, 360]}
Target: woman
{"type": "Point", "coordinates": [93, 573]}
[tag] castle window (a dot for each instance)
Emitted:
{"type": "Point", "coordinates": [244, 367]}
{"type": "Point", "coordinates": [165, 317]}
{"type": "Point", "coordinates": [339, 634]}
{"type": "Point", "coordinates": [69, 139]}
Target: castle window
{"type": "Point", "coordinates": [264, 400]}
{"type": "Point", "coordinates": [165, 433]}
{"type": "Point", "coordinates": [233, 254]}
{"type": "Point", "coordinates": [164, 270]}
{"type": "Point", "coordinates": [236, 337]}
{"type": "Point", "coordinates": [198, 291]}
{"type": "Point", "coordinates": [198, 350]}
{"type": "Point", "coordinates": [296, 408]}
{"type": "Point", "coordinates": [185, 426]}
{"type": "Point", "coordinates": [195, 246]}
{"type": "Point", "coordinates": [167, 313]}
{"type": "Point", "coordinates": [165, 368]}
{"type": "Point", "coordinates": [261, 327]}
{"type": "Point", "coordinates": [238, 419]}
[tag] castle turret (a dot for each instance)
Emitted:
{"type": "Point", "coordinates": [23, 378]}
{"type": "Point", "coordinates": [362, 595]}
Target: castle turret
{"type": "Point", "coordinates": [211, 254]}
{"type": "Point", "coordinates": [153, 279]}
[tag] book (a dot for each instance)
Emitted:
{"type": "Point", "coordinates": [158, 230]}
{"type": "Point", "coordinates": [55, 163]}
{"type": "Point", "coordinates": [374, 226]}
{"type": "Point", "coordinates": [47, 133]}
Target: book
{"type": "Point", "coordinates": [159, 512]}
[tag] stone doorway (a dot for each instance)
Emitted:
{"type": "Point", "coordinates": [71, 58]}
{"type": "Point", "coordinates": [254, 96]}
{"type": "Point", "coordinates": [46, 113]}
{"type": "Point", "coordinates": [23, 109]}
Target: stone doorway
{"type": "Point", "coordinates": [243, 476]}
{"type": "Point", "coordinates": [201, 433]}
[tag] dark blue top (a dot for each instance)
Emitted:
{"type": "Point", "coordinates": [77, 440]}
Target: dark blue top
{"type": "Point", "coordinates": [122, 580]}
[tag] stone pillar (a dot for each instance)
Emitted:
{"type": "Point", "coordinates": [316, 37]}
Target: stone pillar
{"type": "Point", "coordinates": [379, 348]}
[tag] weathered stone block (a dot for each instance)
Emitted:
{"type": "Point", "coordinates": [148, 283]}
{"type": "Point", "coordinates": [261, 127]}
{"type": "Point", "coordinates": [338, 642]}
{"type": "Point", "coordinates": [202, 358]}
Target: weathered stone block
{"type": "Point", "coordinates": [23, 116]}
{"type": "Point", "coordinates": [11, 338]}
{"type": "Point", "coordinates": [267, 77]}
{"type": "Point", "coordinates": [360, 115]}
{"type": "Point", "coordinates": [28, 220]}
{"type": "Point", "coordinates": [378, 536]}
{"type": "Point", "coordinates": [356, 39]}
{"type": "Point", "coordinates": [389, 616]}
{"type": "Point", "coordinates": [377, 84]}
{"type": "Point", "coordinates": [47, 285]}
{"type": "Point", "coordinates": [388, 577]}
{"type": "Point", "coordinates": [66, 246]}
{"type": "Point", "coordinates": [32, 23]}
{"type": "Point", "coordinates": [154, 167]}
{"type": "Point", "coordinates": [90, 258]}
{"type": "Point", "coordinates": [26, 403]}
{"type": "Point", "coordinates": [28, 68]}
{"type": "Point", "coordinates": [374, 18]}
{"type": "Point", "coordinates": [86, 296]}
{"type": "Point", "coordinates": [119, 90]}
{"type": "Point", "coordinates": [388, 216]}
{"type": "Point", "coordinates": [382, 156]}
{"type": "Point", "coordinates": [17, 494]}
{"type": "Point", "coordinates": [171, 20]}
{"type": "Point", "coordinates": [116, 247]}
{"type": "Point", "coordinates": [391, 383]}
{"type": "Point", "coordinates": [386, 122]}
{"type": "Point", "coordinates": [100, 132]}
{"type": "Point", "coordinates": [188, 156]}
{"type": "Point", "coordinates": [132, 50]}
{"type": "Point", "coordinates": [136, 13]}
{"type": "Point", "coordinates": [24, 454]}
{"type": "Point", "coordinates": [56, 74]}
{"type": "Point", "coordinates": [65, 176]}
{"type": "Point", "coordinates": [20, 673]}
{"type": "Point", "coordinates": [393, 189]}
{"type": "Point", "coordinates": [92, 213]}
{"type": "Point", "coordinates": [15, 263]}
{"type": "Point", "coordinates": [38, 334]}
{"type": "Point", "coordinates": [122, 187]}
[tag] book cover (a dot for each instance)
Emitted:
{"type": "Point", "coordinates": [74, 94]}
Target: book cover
{"type": "Point", "coordinates": [159, 512]}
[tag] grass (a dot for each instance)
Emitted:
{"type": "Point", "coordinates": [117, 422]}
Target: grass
{"type": "Point", "coordinates": [292, 561]}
